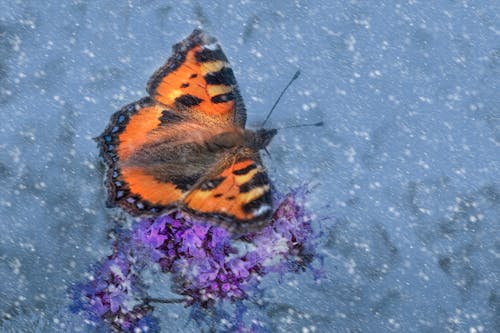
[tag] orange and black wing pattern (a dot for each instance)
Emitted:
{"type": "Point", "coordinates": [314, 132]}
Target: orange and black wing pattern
{"type": "Point", "coordinates": [199, 78]}
{"type": "Point", "coordinates": [185, 145]}
{"type": "Point", "coordinates": [130, 186]}
{"type": "Point", "coordinates": [236, 193]}
{"type": "Point", "coordinates": [196, 85]}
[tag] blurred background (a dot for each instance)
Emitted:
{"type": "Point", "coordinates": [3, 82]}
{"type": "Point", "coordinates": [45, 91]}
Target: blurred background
{"type": "Point", "coordinates": [406, 169]}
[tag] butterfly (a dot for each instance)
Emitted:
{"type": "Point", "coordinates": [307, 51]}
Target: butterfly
{"type": "Point", "coordinates": [185, 146]}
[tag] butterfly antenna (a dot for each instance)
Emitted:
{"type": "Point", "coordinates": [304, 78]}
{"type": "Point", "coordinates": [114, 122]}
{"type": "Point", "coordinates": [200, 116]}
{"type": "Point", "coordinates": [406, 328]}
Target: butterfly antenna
{"type": "Point", "coordinates": [319, 123]}
{"type": "Point", "coordinates": [295, 76]}
{"type": "Point", "coordinates": [268, 153]}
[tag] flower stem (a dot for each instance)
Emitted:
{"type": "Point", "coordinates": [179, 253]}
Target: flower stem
{"type": "Point", "coordinates": [148, 300]}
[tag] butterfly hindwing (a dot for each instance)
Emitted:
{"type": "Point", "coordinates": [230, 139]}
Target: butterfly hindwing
{"type": "Point", "coordinates": [237, 190]}
{"type": "Point", "coordinates": [198, 77]}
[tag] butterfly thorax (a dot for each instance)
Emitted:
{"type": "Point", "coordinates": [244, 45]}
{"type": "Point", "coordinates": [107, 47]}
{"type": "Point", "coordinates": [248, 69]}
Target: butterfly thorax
{"type": "Point", "coordinates": [243, 138]}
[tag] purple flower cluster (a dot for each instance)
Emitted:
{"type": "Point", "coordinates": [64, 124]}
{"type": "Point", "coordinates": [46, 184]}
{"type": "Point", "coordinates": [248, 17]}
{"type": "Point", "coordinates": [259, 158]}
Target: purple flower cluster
{"type": "Point", "coordinates": [207, 263]}
{"type": "Point", "coordinates": [113, 295]}
{"type": "Point", "coordinates": [197, 254]}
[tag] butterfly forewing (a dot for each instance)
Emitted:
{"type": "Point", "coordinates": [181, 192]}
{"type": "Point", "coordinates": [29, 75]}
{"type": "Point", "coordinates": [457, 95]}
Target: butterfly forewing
{"type": "Point", "coordinates": [199, 77]}
{"type": "Point", "coordinates": [129, 186]}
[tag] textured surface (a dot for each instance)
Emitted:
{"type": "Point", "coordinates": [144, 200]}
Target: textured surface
{"type": "Point", "coordinates": [407, 163]}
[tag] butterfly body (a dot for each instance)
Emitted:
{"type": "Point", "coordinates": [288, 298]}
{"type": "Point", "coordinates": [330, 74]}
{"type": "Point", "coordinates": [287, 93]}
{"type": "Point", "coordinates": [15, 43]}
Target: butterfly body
{"type": "Point", "coordinates": [186, 147]}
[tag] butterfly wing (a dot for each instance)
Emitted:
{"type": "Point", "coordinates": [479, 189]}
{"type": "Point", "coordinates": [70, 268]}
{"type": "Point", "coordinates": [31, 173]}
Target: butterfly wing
{"type": "Point", "coordinates": [198, 78]}
{"type": "Point", "coordinates": [236, 192]}
{"type": "Point", "coordinates": [128, 185]}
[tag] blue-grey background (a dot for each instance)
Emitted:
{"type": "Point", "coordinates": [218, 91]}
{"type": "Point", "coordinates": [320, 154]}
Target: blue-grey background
{"type": "Point", "coordinates": [407, 165]}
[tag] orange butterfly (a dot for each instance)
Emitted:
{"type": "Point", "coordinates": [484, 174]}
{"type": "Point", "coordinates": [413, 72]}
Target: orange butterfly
{"type": "Point", "coordinates": [186, 147]}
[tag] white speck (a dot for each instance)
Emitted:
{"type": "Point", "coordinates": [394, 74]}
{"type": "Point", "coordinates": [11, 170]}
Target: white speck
{"type": "Point", "coordinates": [40, 185]}
{"type": "Point", "coordinates": [89, 53]}
{"type": "Point", "coordinates": [460, 171]}
{"type": "Point", "coordinates": [90, 99]}
{"type": "Point", "coordinates": [363, 134]}
{"type": "Point", "coordinates": [15, 265]}
{"type": "Point", "coordinates": [425, 211]}
{"type": "Point", "coordinates": [351, 266]}
{"type": "Point", "coordinates": [125, 60]}
{"type": "Point", "coordinates": [340, 92]}
{"type": "Point", "coordinates": [351, 153]}
{"type": "Point", "coordinates": [5, 203]}
{"type": "Point", "coordinates": [422, 164]}
{"type": "Point", "coordinates": [375, 73]}
{"type": "Point", "coordinates": [89, 164]}
{"type": "Point", "coordinates": [350, 42]}
{"type": "Point", "coordinates": [425, 99]}
{"type": "Point", "coordinates": [256, 53]}
{"type": "Point", "coordinates": [423, 276]}
{"type": "Point", "coordinates": [363, 23]}
{"type": "Point", "coordinates": [393, 99]}
{"type": "Point", "coordinates": [292, 60]}
{"type": "Point", "coordinates": [27, 22]}
{"type": "Point", "coordinates": [394, 211]}
{"type": "Point", "coordinates": [16, 43]}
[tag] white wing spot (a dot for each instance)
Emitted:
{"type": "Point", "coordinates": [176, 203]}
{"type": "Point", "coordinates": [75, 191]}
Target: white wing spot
{"type": "Point", "coordinates": [213, 46]}
{"type": "Point", "coordinates": [261, 210]}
